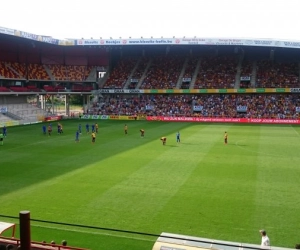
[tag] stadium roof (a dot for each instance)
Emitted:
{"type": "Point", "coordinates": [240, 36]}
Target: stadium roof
{"type": "Point", "coordinates": [154, 41]}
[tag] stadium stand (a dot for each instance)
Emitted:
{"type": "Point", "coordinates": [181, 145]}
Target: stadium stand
{"type": "Point", "coordinates": [37, 72]}
{"type": "Point", "coordinates": [163, 72]}
{"type": "Point", "coordinates": [217, 72]}
{"type": "Point", "coordinates": [19, 89]}
{"type": "Point", "coordinates": [7, 72]}
{"type": "Point", "coordinates": [279, 106]}
{"type": "Point", "coordinates": [120, 73]}
{"type": "Point", "coordinates": [277, 75]}
{"type": "Point", "coordinates": [4, 89]}
{"type": "Point", "coordinates": [189, 72]}
{"type": "Point", "coordinates": [20, 68]}
{"type": "Point", "coordinates": [139, 72]}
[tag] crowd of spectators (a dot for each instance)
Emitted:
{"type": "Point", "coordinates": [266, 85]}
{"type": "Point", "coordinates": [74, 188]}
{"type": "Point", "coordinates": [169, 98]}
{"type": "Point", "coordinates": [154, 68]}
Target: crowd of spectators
{"type": "Point", "coordinates": [163, 73]}
{"type": "Point", "coordinates": [279, 106]}
{"type": "Point", "coordinates": [272, 74]}
{"type": "Point", "coordinates": [217, 72]}
{"type": "Point", "coordinates": [139, 71]}
{"type": "Point", "coordinates": [119, 75]}
{"type": "Point", "coordinates": [189, 72]}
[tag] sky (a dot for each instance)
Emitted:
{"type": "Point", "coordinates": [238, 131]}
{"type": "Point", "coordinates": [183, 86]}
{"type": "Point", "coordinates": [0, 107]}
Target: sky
{"type": "Point", "coordinates": [76, 19]}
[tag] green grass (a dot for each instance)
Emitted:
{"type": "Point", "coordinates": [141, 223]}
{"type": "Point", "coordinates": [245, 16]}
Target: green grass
{"type": "Point", "coordinates": [199, 187]}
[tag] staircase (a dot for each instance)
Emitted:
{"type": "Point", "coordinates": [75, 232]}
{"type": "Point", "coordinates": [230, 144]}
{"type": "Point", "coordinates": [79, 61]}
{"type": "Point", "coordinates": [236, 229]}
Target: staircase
{"type": "Point", "coordinates": [131, 74]}
{"type": "Point", "coordinates": [49, 72]}
{"type": "Point", "coordinates": [12, 69]}
{"type": "Point", "coordinates": [253, 75]}
{"type": "Point", "coordinates": [238, 72]}
{"type": "Point", "coordinates": [179, 81]}
{"type": "Point", "coordinates": [92, 75]}
{"type": "Point", "coordinates": [195, 74]}
{"type": "Point", "coordinates": [144, 75]}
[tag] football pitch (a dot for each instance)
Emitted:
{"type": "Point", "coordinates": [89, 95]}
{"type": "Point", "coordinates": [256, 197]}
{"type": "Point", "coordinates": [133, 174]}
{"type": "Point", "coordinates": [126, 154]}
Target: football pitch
{"type": "Point", "coordinates": [198, 187]}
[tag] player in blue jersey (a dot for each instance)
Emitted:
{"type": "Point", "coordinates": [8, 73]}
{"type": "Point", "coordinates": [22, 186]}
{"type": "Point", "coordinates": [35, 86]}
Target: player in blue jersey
{"type": "Point", "coordinates": [178, 137]}
{"type": "Point", "coordinates": [4, 131]}
{"type": "Point", "coordinates": [44, 128]}
{"type": "Point", "coordinates": [58, 128]}
{"type": "Point", "coordinates": [77, 136]}
{"type": "Point", "coordinates": [79, 128]}
{"type": "Point", "coordinates": [93, 128]}
{"type": "Point", "coordinates": [87, 128]}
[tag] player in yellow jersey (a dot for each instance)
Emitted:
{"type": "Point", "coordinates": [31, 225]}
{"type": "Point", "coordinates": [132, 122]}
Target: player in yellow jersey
{"type": "Point", "coordinates": [225, 138]}
{"type": "Point", "coordinates": [164, 140]}
{"type": "Point", "coordinates": [93, 137]}
{"type": "Point", "coordinates": [96, 127]}
{"type": "Point", "coordinates": [142, 133]}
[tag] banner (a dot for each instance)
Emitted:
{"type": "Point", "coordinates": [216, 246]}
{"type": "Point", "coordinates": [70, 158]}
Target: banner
{"type": "Point", "coordinates": [245, 78]}
{"type": "Point", "coordinates": [9, 123]}
{"type": "Point", "coordinates": [120, 91]}
{"type": "Point", "coordinates": [157, 41]}
{"type": "Point", "coordinates": [3, 110]}
{"type": "Point", "coordinates": [48, 39]}
{"type": "Point", "coordinates": [102, 117]}
{"type": "Point", "coordinates": [53, 118]}
{"type": "Point", "coordinates": [113, 117]}
{"type": "Point", "coordinates": [186, 79]}
{"type": "Point", "coordinates": [149, 107]}
{"type": "Point", "coordinates": [223, 120]}
{"type": "Point", "coordinates": [241, 109]}
{"type": "Point", "coordinates": [295, 90]}
{"type": "Point", "coordinates": [7, 31]}
{"type": "Point", "coordinates": [197, 108]}
{"type": "Point", "coordinates": [27, 35]}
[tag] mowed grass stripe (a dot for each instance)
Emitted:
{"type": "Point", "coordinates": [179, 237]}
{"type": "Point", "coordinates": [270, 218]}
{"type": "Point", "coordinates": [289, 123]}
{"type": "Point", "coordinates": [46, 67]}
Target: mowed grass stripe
{"type": "Point", "coordinates": [278, 174]}
{"type": "Point", "coordinates": [199, 187]}
{"type": "Point", "coordinates": [143, 193]}
{"type": "Point", "coordinates": [215, 192]}
{"type": "Point", "coordinates": [89, 182]}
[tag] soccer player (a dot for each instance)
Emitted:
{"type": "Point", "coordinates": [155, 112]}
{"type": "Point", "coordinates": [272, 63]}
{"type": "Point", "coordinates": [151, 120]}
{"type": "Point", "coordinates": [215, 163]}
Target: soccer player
{"type": "Point", "coordinates": [142, 132]}
{"type": "Point", "coordinates": [178, 137]}
{"type": "Point", "coordinates": [44, 129]}
{"type": "Point", "coordinates": [87, 128]}
{"type": "Point", "coordinates": [164, 140]}
{"type": "Point", "coordinates": [96, 127]}
{"type": "Point", "coordinates": [93, 137]}
{"type": "Point", "coordinates": [58, 128]}
{"type": "Point", "coordinates": [225, 138]}
{"type": "Point", "coordinates": [77, 136]}
{"type": "Point", "coordinates": [61, 128]}
{"type": "Point", "coordinates": [4, 131]}
{"type": "Point", "coordinates": [125, 129]}
{"type": "Point", "coordinates": [1, 138]}
{"type": "Point", "coordinates": [49, 130]}
{"type": "Point", "coordinates": [93, 128]}
{"type": "Point", "coordinates": [79, 128]}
